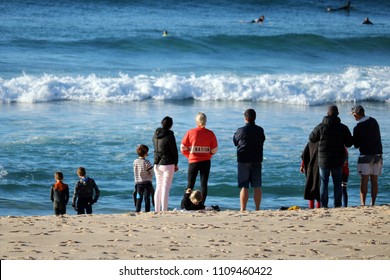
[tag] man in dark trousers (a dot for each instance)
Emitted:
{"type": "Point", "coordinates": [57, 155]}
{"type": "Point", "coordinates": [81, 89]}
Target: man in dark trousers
{"type": "Point", "coordinates": [332, 137]}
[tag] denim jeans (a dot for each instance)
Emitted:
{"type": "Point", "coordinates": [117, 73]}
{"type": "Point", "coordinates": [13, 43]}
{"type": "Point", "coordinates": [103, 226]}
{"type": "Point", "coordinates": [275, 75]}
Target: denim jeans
{"type": "Point", "coordinates": [336, 176]}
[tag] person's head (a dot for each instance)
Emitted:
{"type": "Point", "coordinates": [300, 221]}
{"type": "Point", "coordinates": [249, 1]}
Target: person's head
{"type": "Point", "coordinates": [358, 112]}
{"type": "Point", "coordinates": [58, 175]}
{"type": "Point", "coordinates": [201, 119]}
{"type": "Point", "coordinates": [81, 172]}
{"type": "Point", "coordinates": [167, 122]}
{"type": "Point", "coordinates": [142, 150]}
{"type": "Point", "coordinates": [333, 111]}
{"type": "Point", "coordinates": [250, 115]}
{"type": "Point", "coordinates": [196, 197]}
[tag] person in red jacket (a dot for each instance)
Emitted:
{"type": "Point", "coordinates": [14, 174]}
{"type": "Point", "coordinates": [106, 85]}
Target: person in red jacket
{"type": "Point", "coordinates": [199, 145]}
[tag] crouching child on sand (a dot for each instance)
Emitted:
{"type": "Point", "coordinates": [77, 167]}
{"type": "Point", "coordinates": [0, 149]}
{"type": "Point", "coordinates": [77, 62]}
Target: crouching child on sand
{"type": "Point", "coordinates": [193, 200]}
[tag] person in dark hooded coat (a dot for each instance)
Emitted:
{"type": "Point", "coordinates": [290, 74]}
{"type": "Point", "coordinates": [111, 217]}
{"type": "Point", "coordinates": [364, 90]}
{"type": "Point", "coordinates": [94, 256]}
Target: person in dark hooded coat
{"type": "Point", "coordinates": [309, 166]}
{"type": "Point", "coordinates": [332, 137]}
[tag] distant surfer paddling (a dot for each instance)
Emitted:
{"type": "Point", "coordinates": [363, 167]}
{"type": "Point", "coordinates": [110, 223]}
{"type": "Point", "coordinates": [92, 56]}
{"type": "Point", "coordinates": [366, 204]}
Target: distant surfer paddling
{"type": "Point", "coordinates": [347, 7]}
{"type": "Point", "coordinates": [165, 33]}
{"type": "Point", "coordinates": [258, 20]}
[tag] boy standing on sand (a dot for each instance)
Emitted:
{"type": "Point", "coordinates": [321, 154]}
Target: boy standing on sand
{"type": "Point", "coordinates": [143, 175]}
{"type": "Point", "coordinates": [84, 197]}
{"type": "Point", "coordinates": [59, 194]}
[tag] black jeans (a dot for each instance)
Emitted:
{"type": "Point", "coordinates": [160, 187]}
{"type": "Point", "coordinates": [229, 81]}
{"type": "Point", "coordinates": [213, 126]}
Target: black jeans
{"type": "Point", "coordinates": [202, 167]}
{"type": "Point", "coordinates": [143, 190]}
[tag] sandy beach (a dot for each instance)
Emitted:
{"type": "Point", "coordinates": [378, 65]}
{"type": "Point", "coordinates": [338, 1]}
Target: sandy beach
{"type": "Point", "coordinates": [355, 233]}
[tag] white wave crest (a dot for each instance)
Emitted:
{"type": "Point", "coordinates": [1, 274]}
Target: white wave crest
{"type": "Point", "coordinates": [354, 84]}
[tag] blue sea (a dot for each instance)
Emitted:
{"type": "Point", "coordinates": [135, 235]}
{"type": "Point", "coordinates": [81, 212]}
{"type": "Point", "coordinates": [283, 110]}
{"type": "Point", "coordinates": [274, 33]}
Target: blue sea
{"type": "Point", "coordinates": [82, 83]}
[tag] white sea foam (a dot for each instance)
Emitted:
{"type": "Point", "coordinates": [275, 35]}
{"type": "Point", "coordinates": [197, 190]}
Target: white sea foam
{"type": "Point", "coordinates": [354, 84]}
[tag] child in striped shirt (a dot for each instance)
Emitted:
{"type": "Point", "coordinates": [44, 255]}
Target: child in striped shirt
{"type": "Point", "coordinates": [143, 175]}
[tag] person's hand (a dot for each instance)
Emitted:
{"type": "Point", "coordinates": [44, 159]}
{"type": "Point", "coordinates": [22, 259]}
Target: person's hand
{"type": "Point", "coordinates": [74, 206]}
{"type": "Point", "coordinates": [302, 169]}
{"type": "Point", "coordinates": [176, 168]}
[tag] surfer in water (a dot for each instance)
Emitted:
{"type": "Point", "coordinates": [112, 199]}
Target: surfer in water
{"type": "Point", "coordinates": [366, 21]}
{"type": "Point", "coordinates": [259, 20]}
{"type": "Point", "coordinates": [347, 7]}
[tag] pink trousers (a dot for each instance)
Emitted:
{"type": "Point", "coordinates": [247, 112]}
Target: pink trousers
{"type": "Point", "coordinates": [164, 177]}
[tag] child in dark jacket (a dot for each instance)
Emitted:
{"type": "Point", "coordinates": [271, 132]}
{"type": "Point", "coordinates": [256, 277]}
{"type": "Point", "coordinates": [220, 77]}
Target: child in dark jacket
{"type": "Point", "coordinates": [59, 194]}
{"type": "Point", "coordinates": [192, 200]}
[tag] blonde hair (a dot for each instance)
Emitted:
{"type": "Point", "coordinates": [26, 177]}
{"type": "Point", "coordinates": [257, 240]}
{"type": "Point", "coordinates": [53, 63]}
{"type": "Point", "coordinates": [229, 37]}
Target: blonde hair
{"type": "Point", "coordinates": [201, 119]}
{"type": "Point", "coordinates": [196, 196]}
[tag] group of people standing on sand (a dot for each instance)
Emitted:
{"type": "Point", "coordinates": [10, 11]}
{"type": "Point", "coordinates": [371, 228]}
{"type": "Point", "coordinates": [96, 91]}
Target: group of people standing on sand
{"type": "Point", "coordinates": [325, 155]}
{"type": "Point", "coordinates": [86, 193]}
{"type": "Point", "coordinates": [198, 145]}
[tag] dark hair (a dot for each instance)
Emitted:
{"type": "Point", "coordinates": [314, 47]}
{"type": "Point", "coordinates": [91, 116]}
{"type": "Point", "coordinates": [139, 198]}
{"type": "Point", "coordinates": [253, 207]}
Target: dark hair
{"type": "Point", "coordinates": [142, 150]}
{"type": "Point", "coordinates": [167, 122]}
{"type": "Point", "coordinates": [250, 115]}
{"type": "Point", "coordinates": [333, 110]}
{"type": "Point", "coordinates": [58, 175]}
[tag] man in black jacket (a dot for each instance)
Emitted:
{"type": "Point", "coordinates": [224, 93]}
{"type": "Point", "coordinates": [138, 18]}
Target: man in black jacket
{"type": "Point", "coordinates": [332, 137]}
{"type": "Point", "coordinates": [367, 138]}
{"type": "Point", "coordinates": [249, 141]}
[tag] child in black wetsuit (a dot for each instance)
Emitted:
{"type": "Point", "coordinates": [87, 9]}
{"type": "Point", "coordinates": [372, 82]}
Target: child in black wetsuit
{"type": "Point", "coordinates": [86, 193]}
{"type": "Point", "coordinates": [59, 194]}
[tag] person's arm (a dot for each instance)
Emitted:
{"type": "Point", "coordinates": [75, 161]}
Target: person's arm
{"type": "Point", "coordinates": [52, 194]}
{"type": "Point", "coordinates": [184, 149]}
{"type": "Point", "coordinates": [348, 136]}
{"type": "Point", "coordinates": [75, 195]}
{"type": "Point", "coordinates": [173, 149]}
{"type": "Point", "coordinates": [66, 194]}
{"type": "Point", "coordinates": [315, 135]}
{"type": "Point", "coordinates": [356, 138]}
{"type": "Point", "coordinates": [186, 202]}
{"type": "Point", "coordinates": [97, 191]}
{"type": "Point", "coordinates": [149, 167]}
{"type": "Point", "coordinates": [214, 142]}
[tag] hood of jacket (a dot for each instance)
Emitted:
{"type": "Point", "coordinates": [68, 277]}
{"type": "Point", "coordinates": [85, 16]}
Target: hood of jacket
{"type": "Point", "coordinates": [161, 133]}
{"type": "Point", "coordinates": [331, 120]}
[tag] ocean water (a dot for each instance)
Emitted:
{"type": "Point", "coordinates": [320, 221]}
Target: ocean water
{"type": "Point", "coordinates": [82, 83]}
